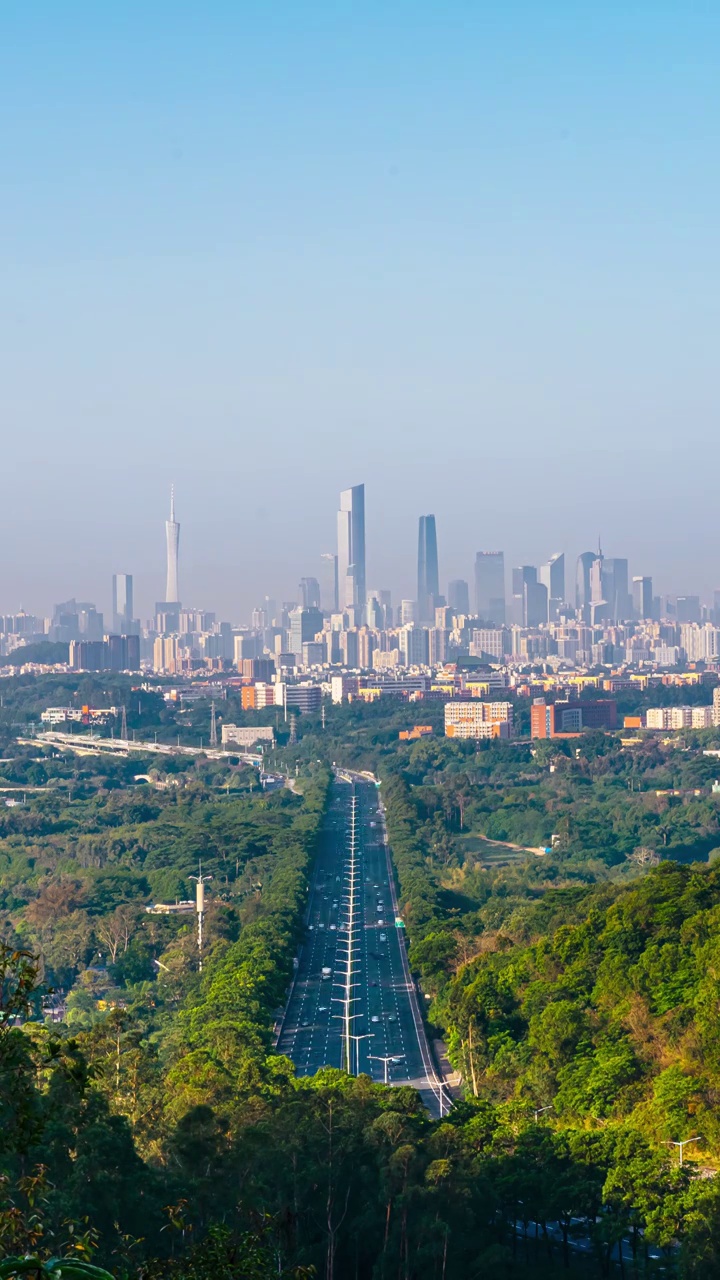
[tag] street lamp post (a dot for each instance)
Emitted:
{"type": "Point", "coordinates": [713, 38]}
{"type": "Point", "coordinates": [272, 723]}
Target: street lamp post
{"type": "Point", "coordinates": [386, 1060]}
{"type": "Point", "coordinates": [682, 1145]}
{"type": "Point", "coordinates": [539, 1110]}
{"type": "Point", "coordinates": [368, 1035]}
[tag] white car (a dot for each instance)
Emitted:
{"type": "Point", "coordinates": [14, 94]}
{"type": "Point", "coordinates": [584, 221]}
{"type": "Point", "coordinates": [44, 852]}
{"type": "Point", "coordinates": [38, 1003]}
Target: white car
{"type": "Point", "coordinates": [383, 937]}
{"type": "Point", "coordinates": [374, 1018]}
{"type": "Point", "coordinates": [332, 927]}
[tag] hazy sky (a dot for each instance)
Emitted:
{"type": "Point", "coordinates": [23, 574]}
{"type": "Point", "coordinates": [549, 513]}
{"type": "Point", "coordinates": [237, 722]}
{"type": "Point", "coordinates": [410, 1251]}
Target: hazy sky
{"type": "Point", "coordinates": [465, 252]}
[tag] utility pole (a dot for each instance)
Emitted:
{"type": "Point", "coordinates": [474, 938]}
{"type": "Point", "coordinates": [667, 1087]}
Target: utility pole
{"type": "Point", "coordinates": [386, 1060]}
{"type": "Point", "coordinates": [293, 731]}
{"type": "Point", "coordinates": [200, 882]}
{"type": "Point", "coordinates": [322, 715]}
{"type": "Point", "coordinates": [213, 726]}
{"type": "Point", "coordinates": [682, 1145]}
{"type": "Point", "coordinates": [123, 728]}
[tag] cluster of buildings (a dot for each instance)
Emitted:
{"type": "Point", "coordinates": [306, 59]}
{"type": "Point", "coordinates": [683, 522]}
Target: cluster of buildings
{"type": "Point", "coordinates": [341, 627]}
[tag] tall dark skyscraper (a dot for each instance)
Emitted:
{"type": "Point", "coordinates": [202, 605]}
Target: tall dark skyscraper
{"type": "Point", "coordinates": [351, 548]}
{"type": "Point", "coordinates": [490, 586]}
{"type": "Point", "coordinates": [428, 591]}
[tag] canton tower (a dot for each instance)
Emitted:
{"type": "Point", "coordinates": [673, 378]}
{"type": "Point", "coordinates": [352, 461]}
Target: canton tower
{"type": "Point", "coordinates": [172, 534]}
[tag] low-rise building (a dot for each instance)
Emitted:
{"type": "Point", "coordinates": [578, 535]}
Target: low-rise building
{"type": "Point", "coordinates": [476, 719]}
{"type": "Point", "coordinates": [247, 735]}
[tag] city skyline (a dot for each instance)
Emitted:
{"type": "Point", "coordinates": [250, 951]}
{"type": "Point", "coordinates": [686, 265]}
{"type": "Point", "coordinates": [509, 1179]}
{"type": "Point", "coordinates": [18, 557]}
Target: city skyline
{"type": "Point", "coordinates": [500, 592]}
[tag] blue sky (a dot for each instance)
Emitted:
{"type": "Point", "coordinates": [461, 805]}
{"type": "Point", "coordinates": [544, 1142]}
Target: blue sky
{"type": "Point", "coordinates": [466, 253]}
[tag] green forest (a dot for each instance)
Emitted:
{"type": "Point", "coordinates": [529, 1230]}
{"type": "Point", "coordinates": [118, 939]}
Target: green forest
{"type": "Point", "coordinates": [148, 1128]}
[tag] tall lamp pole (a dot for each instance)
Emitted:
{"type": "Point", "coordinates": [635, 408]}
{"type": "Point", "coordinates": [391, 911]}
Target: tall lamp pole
{"type": "Point", "coordinates": [682, 1145]}
{"type": "Point", "coordinates": [200, 882]}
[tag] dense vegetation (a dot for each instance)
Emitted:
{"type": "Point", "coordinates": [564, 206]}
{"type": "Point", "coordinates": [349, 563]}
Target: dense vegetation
{"type": "Point", "coordinates": [146, 1121]}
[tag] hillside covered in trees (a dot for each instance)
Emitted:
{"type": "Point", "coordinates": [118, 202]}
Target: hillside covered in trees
{"type": "Point", "coordinates": [147, 1123]}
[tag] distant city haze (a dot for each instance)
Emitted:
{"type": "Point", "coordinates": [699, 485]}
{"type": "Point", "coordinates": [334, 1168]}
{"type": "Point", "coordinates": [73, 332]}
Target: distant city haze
{"type": "Point", "coordinates": [465, 256]}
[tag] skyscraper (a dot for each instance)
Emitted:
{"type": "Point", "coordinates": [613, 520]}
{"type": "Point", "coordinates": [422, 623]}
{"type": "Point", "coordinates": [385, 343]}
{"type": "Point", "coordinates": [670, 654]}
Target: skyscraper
{"type": "Point", "coordinates": [329, 582]}
{"type": "Point", "coordinates": [459, 596]}
{"type": "Point", "coordinates": [530, 597]}
{"type": "Point", "coordinates": [309, 590]}
{"type": "Point", "coordinates": [351, 549]}
{"type": "Point", "coordinates": [428, 578]}
{"type": "Point", "coordinates": [490, 586]}
{"type": "Point", "coordinates": [122, 585]}
{"type": "Point", "coordinates": [172, 534]}
{"type": "Point", "coordinates": [615, 588]}
{"type": "Point", "coordinates": [552, 576]}
{"type": "Point", "coordinates": [582, 580]}
{"type": "Point", "coordinates": [642, 592]}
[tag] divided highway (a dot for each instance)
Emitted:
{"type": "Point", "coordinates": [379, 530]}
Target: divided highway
{"type": "Point", "coordinates": [353, 1003]}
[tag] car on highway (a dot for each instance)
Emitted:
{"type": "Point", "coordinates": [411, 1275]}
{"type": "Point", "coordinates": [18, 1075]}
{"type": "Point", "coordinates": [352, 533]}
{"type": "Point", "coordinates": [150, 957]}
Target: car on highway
{"type": "Point", "coordinates": [373, 1019]}
{"type": "Point", "coordinates": [392, 1017]}
{"type": "Point", "coordinates": [322, 1008]}
{"type": "Point", "coordinates": [333, 927]}
{"type": "Point", "coordinates": [383, 937]}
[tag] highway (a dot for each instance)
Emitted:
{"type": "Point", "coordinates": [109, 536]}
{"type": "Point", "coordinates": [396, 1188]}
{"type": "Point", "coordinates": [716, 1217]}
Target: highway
{"type": "Point", "coordinates": [353, 1003]}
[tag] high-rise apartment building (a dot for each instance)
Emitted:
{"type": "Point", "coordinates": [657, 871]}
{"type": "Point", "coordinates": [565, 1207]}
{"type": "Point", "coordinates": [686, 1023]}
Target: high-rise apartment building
{"type": "Point", "coordinates": [458, 596]}
{"type": "Point", "coordinates": [414, 646]}
{"type": "Point", "coordinates": [427, 574]}
{"type": "Point", "coordinates": [490, 586]}
{"type": "Point", "coordinates": [642, 597]}
{"type": "Point", "coordinates": [351, 548]}
{"type": "Point", "coordinates": [490, 645]}
{"type": "Point", "coordinates": [305, 624]}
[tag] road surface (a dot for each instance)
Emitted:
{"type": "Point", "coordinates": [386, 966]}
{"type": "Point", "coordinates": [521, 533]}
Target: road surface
{"type": "Point", "coordinates": [352, 902]}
